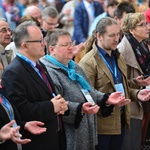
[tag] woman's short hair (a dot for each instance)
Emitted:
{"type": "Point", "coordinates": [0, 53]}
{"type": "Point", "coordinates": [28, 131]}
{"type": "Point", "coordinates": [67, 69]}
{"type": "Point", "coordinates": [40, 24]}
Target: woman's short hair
{"type": "Point", "coordinates": [130, 21]}
{"type": "Point", "coordinates": [53, 36]}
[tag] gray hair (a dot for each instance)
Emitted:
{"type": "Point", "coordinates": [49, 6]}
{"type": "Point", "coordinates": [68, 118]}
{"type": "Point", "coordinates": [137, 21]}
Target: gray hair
{"type": "Point", "coordinates": [52, 36]}
{"type": "Point", "coordinates": [102, 25]}
{"type": "Point", "coordinates": [49, 11]}
{"type": "Point", "coordinates": [21, 33]}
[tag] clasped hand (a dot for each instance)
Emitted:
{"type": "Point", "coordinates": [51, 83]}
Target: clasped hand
{"type": "Point", "coordinates": [60, 105]}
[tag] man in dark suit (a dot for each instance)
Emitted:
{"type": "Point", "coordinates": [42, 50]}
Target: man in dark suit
{"type": "Point", "coordinates": [33, 98]}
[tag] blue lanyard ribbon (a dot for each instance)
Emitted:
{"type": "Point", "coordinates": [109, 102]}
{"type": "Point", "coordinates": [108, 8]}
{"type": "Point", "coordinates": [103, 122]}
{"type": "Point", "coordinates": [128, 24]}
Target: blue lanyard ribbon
{"type": "Point", "coordinates": [29, 62]}
{"type": "Point", "coordinates": [9, 109]}
{"type": "Point", "coordinates": [7, 105]}
{"type": "Point", "coordinates": [114, 73]}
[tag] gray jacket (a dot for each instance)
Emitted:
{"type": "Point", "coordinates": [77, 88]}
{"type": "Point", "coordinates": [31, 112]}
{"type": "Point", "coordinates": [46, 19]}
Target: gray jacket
{"type": "Point", "coordinates": [85, 136]}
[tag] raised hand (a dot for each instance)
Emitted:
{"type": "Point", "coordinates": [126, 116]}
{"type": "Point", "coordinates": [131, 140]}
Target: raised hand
{"type": "Point", "coordinates": [35, 127]}
{"type": "Point", "coordinates": [144, 95]}
{"type": "Point", "coordinates": [8, 132]}
{"type": "Point", "coordinates": [78, 48]}
{"type": "Point", "coordinates": [16, 137]}
{"type": "Point", "coordinates": [89, 109]}
{"type": "Point", "coordinates": [116, 98]}
{"type": "Point", "coordinates": [124, 102]}
{"type": "Point", "coordinates": [143, 81]}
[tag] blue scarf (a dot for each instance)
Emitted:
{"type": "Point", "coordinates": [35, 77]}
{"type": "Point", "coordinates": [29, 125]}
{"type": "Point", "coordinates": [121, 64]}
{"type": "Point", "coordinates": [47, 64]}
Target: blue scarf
{"type": "Point", "coordinates": [71, 72]}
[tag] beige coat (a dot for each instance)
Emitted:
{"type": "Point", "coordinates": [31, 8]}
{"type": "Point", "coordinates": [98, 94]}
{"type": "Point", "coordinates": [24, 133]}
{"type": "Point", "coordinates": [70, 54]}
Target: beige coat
{"type": "Point", "coordinates": [133, 70]}
{"type": "Point", "coordinates": [5, 59]}
{"type": "Point", "coordinates": [101, 79]}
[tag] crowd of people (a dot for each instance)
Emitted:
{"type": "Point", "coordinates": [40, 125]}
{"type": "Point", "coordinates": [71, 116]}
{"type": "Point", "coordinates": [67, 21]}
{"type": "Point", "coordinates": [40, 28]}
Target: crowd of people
{"type": "Point", "coordinates": [74, 75]}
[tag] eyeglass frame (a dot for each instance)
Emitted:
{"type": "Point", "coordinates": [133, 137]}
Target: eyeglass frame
{"type": "Point", "coordinates": [40, 41]}
{"type": "Point", "coordinates": [144, 24]}
{"type": "Point", "coordinates": [67, 44]}
{"type": "Point", "coordinates": [52, 24]}
{"type": "Point", "coordinates": [4, 30]}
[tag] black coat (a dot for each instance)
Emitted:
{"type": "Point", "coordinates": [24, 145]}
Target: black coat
{"type": "Point", "coordinates": [31, 97]}
{"type": "Point", "coordinates": [4, 119]}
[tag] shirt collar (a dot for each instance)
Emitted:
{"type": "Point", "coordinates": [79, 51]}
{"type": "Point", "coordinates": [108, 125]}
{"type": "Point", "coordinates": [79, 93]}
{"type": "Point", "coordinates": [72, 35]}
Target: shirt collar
{"type": "Point", "coordinates": [33, 64]}
{"type": "Point", "coordinates": [104, 53]}
{"type": "Point", "coordinates": [87, 4]}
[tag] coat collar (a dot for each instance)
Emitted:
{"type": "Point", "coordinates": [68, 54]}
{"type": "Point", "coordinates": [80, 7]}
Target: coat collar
{"type": "Point", "coordinates": [101, 63]}
{"type": "Point", "coordinates": [34, 74]}
{"type": "Point", "coordinates": [129, 54]}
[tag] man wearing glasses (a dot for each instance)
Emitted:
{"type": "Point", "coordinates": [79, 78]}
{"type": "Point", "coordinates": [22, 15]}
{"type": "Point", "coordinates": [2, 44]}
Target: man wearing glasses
{"type": "Point", "coordinates": [5, 39]}
{"type": "Point", "coordinates": [50, 19]}
{"type": "Point", "coordinates": [33, 97]}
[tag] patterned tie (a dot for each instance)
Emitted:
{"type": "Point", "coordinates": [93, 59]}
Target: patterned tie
{"type": "Point", "coordinates": [45, 79]}
{"type": "Point", "coordinates": [43, 75]}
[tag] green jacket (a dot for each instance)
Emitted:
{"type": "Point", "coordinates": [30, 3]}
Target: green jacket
{"type": "Point", "coordinates": [102, 80]}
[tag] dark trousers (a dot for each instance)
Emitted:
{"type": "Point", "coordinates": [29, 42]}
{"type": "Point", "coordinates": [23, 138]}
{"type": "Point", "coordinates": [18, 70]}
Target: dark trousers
{"type": "Point", "coordinates": [111, 142]}
{"type": "Point", "coordinates": [145, 125]}
{"type": "Point", "coordinates": [132, 140]}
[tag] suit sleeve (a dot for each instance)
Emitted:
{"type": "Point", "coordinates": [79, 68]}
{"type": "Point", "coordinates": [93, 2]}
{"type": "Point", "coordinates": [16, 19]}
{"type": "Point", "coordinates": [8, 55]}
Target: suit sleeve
{"type": "Point", "coordinates": [27, 96]}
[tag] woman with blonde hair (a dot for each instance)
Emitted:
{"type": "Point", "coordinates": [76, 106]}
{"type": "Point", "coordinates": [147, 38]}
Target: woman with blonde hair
{"type": "Point", "coordinates": [136, 54]}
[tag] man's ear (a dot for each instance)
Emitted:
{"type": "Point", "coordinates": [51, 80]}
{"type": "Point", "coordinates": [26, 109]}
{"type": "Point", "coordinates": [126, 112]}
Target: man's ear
{"type": "Point", "coordinates": [24, 46]}
{"type": "Point", "coordinates": [98, 36]}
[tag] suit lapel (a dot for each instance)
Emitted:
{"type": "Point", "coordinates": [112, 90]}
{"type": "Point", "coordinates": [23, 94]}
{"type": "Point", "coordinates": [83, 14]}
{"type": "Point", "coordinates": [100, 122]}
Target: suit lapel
{"type": "Point", "coordinates": [34, 74]}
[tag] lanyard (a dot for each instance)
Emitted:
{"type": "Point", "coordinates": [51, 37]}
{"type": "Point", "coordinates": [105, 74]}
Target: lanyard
{"type": "Point", "coordinates": [9, 111]}
{"type": "Point", "coordinates": [7, 105]}
{"type": "Point", "coordinates": [114, 73]}
{"type": "Point", "coordinates": [30, 62]}
{"type": "Point", "coordinates": [26, 59]}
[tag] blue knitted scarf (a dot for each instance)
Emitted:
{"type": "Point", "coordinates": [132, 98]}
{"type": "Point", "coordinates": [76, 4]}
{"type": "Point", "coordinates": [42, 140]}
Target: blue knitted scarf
{"type": "Point", "coordinates": [71, 72]}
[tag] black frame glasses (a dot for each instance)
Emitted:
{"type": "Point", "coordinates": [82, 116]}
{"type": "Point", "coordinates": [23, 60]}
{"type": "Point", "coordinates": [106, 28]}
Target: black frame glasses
{"type": "Point", "coordinates": [40, 41]}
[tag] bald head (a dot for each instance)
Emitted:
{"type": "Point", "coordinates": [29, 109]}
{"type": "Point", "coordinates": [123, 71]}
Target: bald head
{"type": "Point", "coordinates": [34, 12]}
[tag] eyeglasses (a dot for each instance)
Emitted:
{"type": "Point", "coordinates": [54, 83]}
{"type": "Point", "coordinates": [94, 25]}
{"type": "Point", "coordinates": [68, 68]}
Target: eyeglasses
{"type": "Point", "coordinates": [42, 41]}
{"type": "Point", "coordinates": [4, 30]}
{"type": "Point", "coordinates": [144, 24]}
{"type": "Point", "coordinates": [52, 24]}
{"type": "Point", "coordinates": [66, 44]}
